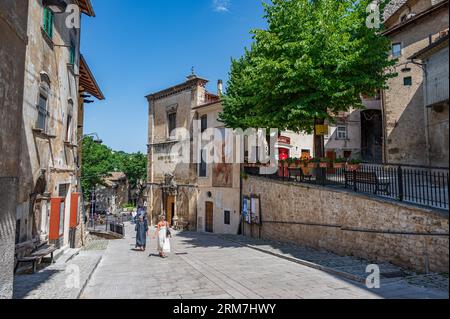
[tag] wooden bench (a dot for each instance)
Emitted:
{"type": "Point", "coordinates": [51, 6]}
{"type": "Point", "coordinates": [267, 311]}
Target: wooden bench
{"type": "Point", "coordinates": [368, 178]}
{"type": "Point", "coordinates": [298, 175]}
{"type": "Point", "coordinates": [40, 251]}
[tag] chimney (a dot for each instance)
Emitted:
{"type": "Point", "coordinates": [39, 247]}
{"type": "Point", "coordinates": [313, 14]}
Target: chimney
{"type": "Point", "coordinates": [219, 87]}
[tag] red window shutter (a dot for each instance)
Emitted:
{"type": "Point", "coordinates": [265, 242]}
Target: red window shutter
{"type": "Point", "coordinates": [74, 210]}
{"type": "Point", "coordinates": [55, 206]}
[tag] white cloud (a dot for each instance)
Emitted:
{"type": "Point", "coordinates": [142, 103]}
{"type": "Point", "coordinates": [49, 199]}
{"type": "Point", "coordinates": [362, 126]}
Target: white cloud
{"type": "Point", "coordinates": [221, 5]}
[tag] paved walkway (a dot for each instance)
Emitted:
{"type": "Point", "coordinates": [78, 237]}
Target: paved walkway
{"type": "Point", "coordinates": [63, 280]}
{"type": "Point", "coordinates": [210, 266]}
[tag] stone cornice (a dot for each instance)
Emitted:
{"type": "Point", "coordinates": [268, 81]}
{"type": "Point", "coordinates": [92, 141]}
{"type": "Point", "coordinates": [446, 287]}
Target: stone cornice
{"type": "Point", "coordinates": [186, 86]}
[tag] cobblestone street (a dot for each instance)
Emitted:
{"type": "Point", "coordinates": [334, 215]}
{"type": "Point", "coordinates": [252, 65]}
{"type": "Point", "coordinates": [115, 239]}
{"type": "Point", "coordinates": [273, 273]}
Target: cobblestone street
{"type": "Point", "coordinates": [210, 266]}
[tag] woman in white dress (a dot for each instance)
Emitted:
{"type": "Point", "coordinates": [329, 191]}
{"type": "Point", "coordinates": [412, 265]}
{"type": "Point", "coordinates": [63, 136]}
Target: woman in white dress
{"type": "Point", "coordinates": [163, 239]}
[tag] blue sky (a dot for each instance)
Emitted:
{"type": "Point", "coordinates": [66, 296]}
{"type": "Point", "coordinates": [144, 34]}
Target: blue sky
{"type": "Point", "coordinates": [142, 46]}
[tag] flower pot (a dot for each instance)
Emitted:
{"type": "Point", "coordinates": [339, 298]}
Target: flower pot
{"type": "Point", "coordinates": [339, 165]}
{"type": "Point", "coordinates": [353, 167]}
{"type": "Point", "coordinates": [324, 165]}
{"type": "Point", "coordinates": [313, 165]}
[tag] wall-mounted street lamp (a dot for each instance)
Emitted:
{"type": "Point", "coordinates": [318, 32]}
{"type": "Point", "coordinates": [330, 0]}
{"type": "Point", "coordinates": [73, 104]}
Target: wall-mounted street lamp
{"type": "Point", "coordinates": [57, 6]}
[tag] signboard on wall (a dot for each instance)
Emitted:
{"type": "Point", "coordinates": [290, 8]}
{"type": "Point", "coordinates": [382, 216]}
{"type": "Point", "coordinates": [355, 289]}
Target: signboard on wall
{"type": "Point", "coordinates": [322, 130]}
{"type": "Point", "coordinates": [251, 210]}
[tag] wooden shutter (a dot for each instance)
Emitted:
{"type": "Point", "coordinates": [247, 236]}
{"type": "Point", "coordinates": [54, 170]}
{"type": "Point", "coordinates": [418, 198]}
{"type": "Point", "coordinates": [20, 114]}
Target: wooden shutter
{"type": "Point", "coordinates": [74, 210]}
{"type": "Point", "coordinates": [55, 207]}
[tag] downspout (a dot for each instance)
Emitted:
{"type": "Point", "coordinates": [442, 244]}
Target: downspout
{"type": "Point", "coordinates": [385, 135]}
{"type": "Point", "coordinates": [427, 124]}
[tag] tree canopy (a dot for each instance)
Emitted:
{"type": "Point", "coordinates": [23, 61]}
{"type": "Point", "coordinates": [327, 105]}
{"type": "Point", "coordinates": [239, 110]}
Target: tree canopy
{"type": "Point", "coordinates": [315, 59]}
{"type": "Point", "coordinates": [99, 161]}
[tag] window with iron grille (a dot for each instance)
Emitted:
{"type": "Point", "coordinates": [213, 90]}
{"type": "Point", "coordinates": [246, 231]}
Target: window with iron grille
{"type": "Point", "coordinates": [172, 122]}
{"type": "Point", "coordinates": [63, 190]}
{"type": "Point", "coordinates": [342, 133]}
{"type": "Point", "coordinates": [407, 81]}
{"type": "Point", "coordinates": [42, 113]}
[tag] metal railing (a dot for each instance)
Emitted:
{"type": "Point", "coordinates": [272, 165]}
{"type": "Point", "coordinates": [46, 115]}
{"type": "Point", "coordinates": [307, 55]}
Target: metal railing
{"type": "Point", "coordinates": [108, 224]}
{"type": "Point", "coordinates": [425, 186]}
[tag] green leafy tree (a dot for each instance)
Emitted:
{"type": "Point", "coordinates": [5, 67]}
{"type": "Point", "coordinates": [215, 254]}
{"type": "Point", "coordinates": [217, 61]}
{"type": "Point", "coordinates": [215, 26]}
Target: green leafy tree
{"type": "Point", "coordinates": [96, 164]}
{"type": "Point", "coordinates": [99, 161]}
{"type": "Point", "coordinates": [313, 61]}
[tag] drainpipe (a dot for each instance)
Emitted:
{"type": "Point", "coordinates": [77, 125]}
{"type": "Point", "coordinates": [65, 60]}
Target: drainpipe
{"type": "Point", "coordinates": [383, 117]}
{"type": "Point", "coordinates": [427, 124]}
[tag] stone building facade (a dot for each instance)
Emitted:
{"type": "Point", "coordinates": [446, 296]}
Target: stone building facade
{"type": "Point", "coordinates": [13, 42]}
{"type": "Point", "coordinates": [191, 194]}
{"type": "Point", "coordinates": [436, 73]}
{"type": "Point", "coordinates": [411, 26]}
{"type": "Point", "coordinates": [49, 201]}
{"type": "Point", "coordinates": [111, 196]}
{"type": "Point", "coordinates": [218, 208]}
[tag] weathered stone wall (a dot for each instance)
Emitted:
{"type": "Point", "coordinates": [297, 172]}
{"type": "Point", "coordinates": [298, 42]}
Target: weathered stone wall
{"type": "Point", "coordinates": [13, 41]}
{"type": "Point", "coordinates": [404, 109]}
{"type": "Point", "coordinates": [48, 155]}
{"type": "Point", "coordinates": [437, 117]}
{"type": "Point", "coordinates": [352, 224]}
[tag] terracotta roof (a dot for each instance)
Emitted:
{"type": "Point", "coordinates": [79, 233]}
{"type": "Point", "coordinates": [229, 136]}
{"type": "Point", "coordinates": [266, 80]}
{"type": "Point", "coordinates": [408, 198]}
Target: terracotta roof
{"type": "Point", "coordinates": [187, 85]}
{"type": "Point", "coordinates": [392, 8]}
{"type": "Point", "coordinates": [88, 83]}
{"type": "Point", "coordinates": [114, 178]}
{"type": "Point", "coordinates": [86, 7]}
{"type": "Point", "coordinates": [417, 17]}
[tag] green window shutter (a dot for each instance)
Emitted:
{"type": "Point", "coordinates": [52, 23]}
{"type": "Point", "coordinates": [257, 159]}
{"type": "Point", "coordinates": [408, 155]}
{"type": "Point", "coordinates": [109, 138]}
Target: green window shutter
{"type": "Point", "coordinates": [45, 24]}
{"type": "Point", "coordinates": [50, 33]}
{"type": "Point", "coordinates": [48, 22]}
{"type": "Point", "coordinates": [72, 54]}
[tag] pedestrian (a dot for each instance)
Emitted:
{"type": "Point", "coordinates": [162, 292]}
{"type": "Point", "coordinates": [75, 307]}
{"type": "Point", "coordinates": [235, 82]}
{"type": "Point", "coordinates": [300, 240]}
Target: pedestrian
{"type": "Point", "coordinates": [141, 233]}
{"type": "Point", "coordinates": [163, 241]}
{"type": "Point", "coordinates": [133, 216]}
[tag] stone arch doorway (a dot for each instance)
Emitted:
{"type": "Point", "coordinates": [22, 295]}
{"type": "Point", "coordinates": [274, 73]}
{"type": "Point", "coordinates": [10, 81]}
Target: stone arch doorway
{"type": "Point", "coordinates": [372, 136]}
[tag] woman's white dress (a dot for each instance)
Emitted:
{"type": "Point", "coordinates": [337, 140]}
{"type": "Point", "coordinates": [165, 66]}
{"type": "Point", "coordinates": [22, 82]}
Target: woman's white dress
{"type": "Point", "coordinates": [163, 241]}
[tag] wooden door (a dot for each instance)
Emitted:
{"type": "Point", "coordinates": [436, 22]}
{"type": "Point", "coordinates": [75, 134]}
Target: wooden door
{"type": "Point", "coordinates": [209, 217]}
{"type": "Point", "coordinates": [331, 155]}
{"type": "Point", "coordinates": [170, 209]}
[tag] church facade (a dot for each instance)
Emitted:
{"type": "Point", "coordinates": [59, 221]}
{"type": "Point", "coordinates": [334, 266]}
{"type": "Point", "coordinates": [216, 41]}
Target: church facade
{"type": "Point", "coordinates": [191, 193]}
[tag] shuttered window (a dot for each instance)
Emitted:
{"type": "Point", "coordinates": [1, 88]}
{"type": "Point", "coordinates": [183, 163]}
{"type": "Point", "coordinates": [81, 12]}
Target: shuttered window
{"type": "Point", "coordinates": [42, 113]}
{"type": "Point", "coordinates": [48, 22]}
{"type": "Point", "coordinates": [72, 54]}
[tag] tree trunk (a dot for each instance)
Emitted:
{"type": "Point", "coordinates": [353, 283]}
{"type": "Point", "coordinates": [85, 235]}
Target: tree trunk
{"type": "Point", "coordinates": [319, 150]}
{"type": "Point", "coordinates": [319, 140]}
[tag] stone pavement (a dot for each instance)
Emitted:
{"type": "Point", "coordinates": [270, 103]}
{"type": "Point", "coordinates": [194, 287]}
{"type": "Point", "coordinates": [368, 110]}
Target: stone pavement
{"type": "Point", "coordinates": [63, 280]}
{"type": "Point", "coordinates": [210, 266]}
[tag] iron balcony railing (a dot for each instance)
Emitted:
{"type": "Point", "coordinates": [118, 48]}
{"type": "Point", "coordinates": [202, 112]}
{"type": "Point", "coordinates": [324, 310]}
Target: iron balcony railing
{"type": "Point", "coordinates": [425, 186]}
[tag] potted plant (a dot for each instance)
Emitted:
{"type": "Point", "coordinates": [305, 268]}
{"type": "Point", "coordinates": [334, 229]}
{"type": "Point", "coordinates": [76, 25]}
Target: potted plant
{"type": "Point", "coordinates": [354, 164]}
{"type": "Point", "coordinates": [244, 175]}
{"type": "Point", "coordinates": [339, 163]}
{"type": "Point", "coordinates": [290, 162]}
{"type": "Point", "coordinates": [298, 163]}
{"type": "Point", "coordinates": [314, 163]}
{"type": "Point", "coordinates": [325, 162]}
{"type": "Point", "coordinates": [304, 161]}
